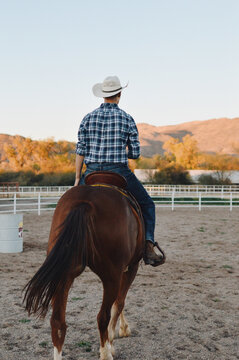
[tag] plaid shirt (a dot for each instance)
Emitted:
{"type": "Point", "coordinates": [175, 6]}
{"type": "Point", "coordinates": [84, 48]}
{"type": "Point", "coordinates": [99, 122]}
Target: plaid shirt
{"type": "Point", "coordinates": [104, 135]}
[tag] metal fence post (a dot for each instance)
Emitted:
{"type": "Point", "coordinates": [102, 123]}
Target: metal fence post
{"type": "Point", "coordinates": [39, 204]}
{"type": "Point", "coordinates": [173, 200]}
{"type": "Point", "coordinates": [15, 203]}
{"type": "Point", "coordinates": [230, 201]}
{"type": "Point", "coordinates": [199, 201]}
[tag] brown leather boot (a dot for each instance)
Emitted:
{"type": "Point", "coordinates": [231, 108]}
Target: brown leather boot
{"type": "Point", "coordinates": [150, 256]}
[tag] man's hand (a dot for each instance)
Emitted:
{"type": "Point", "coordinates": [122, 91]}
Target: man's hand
{"type": "Point", "coordinates": [77, 180]}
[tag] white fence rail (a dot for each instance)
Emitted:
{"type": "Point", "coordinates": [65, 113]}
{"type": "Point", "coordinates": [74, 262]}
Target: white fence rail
{"type": "Point", "coordinates": [32, 201]}
{"type": "Point", "coordinates": [155, 190]}
{"type": "Point", "coordinates": [34, 189]}
{"type": "Point", "coordinates": [176, 200]}
{"type": "Point", "coordinates": [152, 189]}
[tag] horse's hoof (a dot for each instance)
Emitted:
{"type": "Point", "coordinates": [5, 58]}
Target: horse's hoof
{"type": "Point", "coordinates": [57, 354]}
{"type": "Point", "coordinates": [112, 350]}
{"type": "Point", "coordinates": [108, 357]}
{"type": "Point", "coordinates": [106, 352]}
{"type": "Point", "coordinates": [124, 332]}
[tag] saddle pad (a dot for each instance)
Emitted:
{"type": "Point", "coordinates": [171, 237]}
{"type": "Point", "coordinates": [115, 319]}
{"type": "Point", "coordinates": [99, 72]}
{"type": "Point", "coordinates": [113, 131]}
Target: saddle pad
{"type": "Point", "coordinates": [106, 177]}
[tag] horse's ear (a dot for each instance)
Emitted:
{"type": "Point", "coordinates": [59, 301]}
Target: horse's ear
{"type": "Point", "coordinates": [106, 177]}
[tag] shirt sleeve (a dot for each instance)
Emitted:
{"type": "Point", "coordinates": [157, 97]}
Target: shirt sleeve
{"type": "Point", "coordinates": [133, 141]}
{"type": "Point", "coordinates": [81, 144]}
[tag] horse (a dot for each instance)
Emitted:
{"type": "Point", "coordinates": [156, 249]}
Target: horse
{"type": "Point", "coordinates": [95, 226]}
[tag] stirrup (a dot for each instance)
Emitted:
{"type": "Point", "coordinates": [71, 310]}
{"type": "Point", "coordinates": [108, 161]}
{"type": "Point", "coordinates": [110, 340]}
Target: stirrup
{"type": "Point", "coordinates": [162, 261]}
{"type": "Point", "coordinates": [162, 252]}
{"type": "Point", "coordinates": [156, 263]}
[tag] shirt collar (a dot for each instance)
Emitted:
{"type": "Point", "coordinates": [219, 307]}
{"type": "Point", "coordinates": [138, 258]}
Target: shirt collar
{"type": "Point", "coordinates": [108, 106]}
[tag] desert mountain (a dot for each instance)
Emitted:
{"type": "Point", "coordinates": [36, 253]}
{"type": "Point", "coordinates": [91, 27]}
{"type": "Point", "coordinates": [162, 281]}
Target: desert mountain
{"type": "Point", "coordinates": [212, 136]}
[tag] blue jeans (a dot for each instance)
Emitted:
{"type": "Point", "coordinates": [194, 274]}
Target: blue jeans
{"type": "Point", "coordinates": [135, 187]}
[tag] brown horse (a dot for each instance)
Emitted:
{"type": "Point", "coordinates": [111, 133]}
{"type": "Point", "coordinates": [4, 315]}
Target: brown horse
{"type": "Point", "coordinates": [97, 227]}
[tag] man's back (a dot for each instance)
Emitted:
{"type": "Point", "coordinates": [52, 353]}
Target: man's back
{"type": "Point", "coordinates": [104, 135]}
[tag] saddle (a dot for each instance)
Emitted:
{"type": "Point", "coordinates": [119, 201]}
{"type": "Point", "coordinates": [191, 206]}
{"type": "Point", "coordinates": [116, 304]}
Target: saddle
{"type": "Point", "coordinates": [106, 177]}
{"type": "Point", "coordinates": [114, 181]}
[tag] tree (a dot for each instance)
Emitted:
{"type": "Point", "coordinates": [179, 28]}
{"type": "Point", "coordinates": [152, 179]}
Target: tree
{"type": "Point", "coordinates": [20, 152]}
{"type": "Point", "coordinates": [220, 162]}
{"type": "Point", "coordinates": [39, 156]}
{"type": "Point", "coordinates": [183, 153]}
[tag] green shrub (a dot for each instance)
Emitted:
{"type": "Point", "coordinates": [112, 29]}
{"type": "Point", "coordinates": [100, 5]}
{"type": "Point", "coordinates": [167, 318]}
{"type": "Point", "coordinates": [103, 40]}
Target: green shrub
{"type": "Point", "coordinates": [207, 179]}
{"type": "Point", "coordinates": [29, 178]}
{"type": "Point", "coordinates": [173, 174]}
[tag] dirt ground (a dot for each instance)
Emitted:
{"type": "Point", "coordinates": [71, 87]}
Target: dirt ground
{"type": "Point", "coordinates": [185, 309]}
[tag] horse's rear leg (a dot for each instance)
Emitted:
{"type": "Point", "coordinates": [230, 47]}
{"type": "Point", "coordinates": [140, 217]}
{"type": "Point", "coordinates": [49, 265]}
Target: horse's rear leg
{"type": "Point", "coordinates": [58, 324]}
{"type": "Point", "coordinates": [117, 308]}
{"type": "Point", "coordinates": [124, 329]}
{"type": "Point", "coordinates": [111, 289]}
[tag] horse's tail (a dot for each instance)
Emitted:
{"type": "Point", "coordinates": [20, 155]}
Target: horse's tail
{"type": "Point", "coordinates": [68, 256]}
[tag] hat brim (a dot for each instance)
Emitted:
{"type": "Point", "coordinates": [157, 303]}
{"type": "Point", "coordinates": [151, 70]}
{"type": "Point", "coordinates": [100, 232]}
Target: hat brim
{"type": "Point", "coordinates": [97, 91]}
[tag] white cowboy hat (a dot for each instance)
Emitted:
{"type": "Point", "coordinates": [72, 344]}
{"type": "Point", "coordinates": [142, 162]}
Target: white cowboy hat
{"type": "Point", "coordinates": [110, 87]}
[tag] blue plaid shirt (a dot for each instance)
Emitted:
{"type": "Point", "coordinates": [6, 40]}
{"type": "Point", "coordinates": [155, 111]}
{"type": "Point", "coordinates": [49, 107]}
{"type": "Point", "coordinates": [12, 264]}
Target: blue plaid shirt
{"type": "Point", "coordinates": [105, 133]}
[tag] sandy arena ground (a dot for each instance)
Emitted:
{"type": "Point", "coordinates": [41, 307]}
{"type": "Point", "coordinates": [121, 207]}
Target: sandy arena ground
{"type": "Point", "coordinates": [185, 309]}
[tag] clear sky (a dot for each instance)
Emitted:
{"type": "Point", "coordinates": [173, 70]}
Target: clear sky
{"type": "Point", "coordinates": [181, 58]}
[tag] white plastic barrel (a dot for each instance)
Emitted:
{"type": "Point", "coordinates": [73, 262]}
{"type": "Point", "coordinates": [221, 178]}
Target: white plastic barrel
{"type": "Point", "coordinates": [11, 233]}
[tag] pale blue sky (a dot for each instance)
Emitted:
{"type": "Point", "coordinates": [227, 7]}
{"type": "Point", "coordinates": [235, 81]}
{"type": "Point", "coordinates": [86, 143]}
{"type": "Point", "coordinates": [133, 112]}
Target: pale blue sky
{"type": "Point", "coordinates": [180, 57]}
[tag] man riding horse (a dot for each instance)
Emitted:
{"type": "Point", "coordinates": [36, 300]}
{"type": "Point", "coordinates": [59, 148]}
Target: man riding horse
{"type": "Point", "coordinates": [103, 138]}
